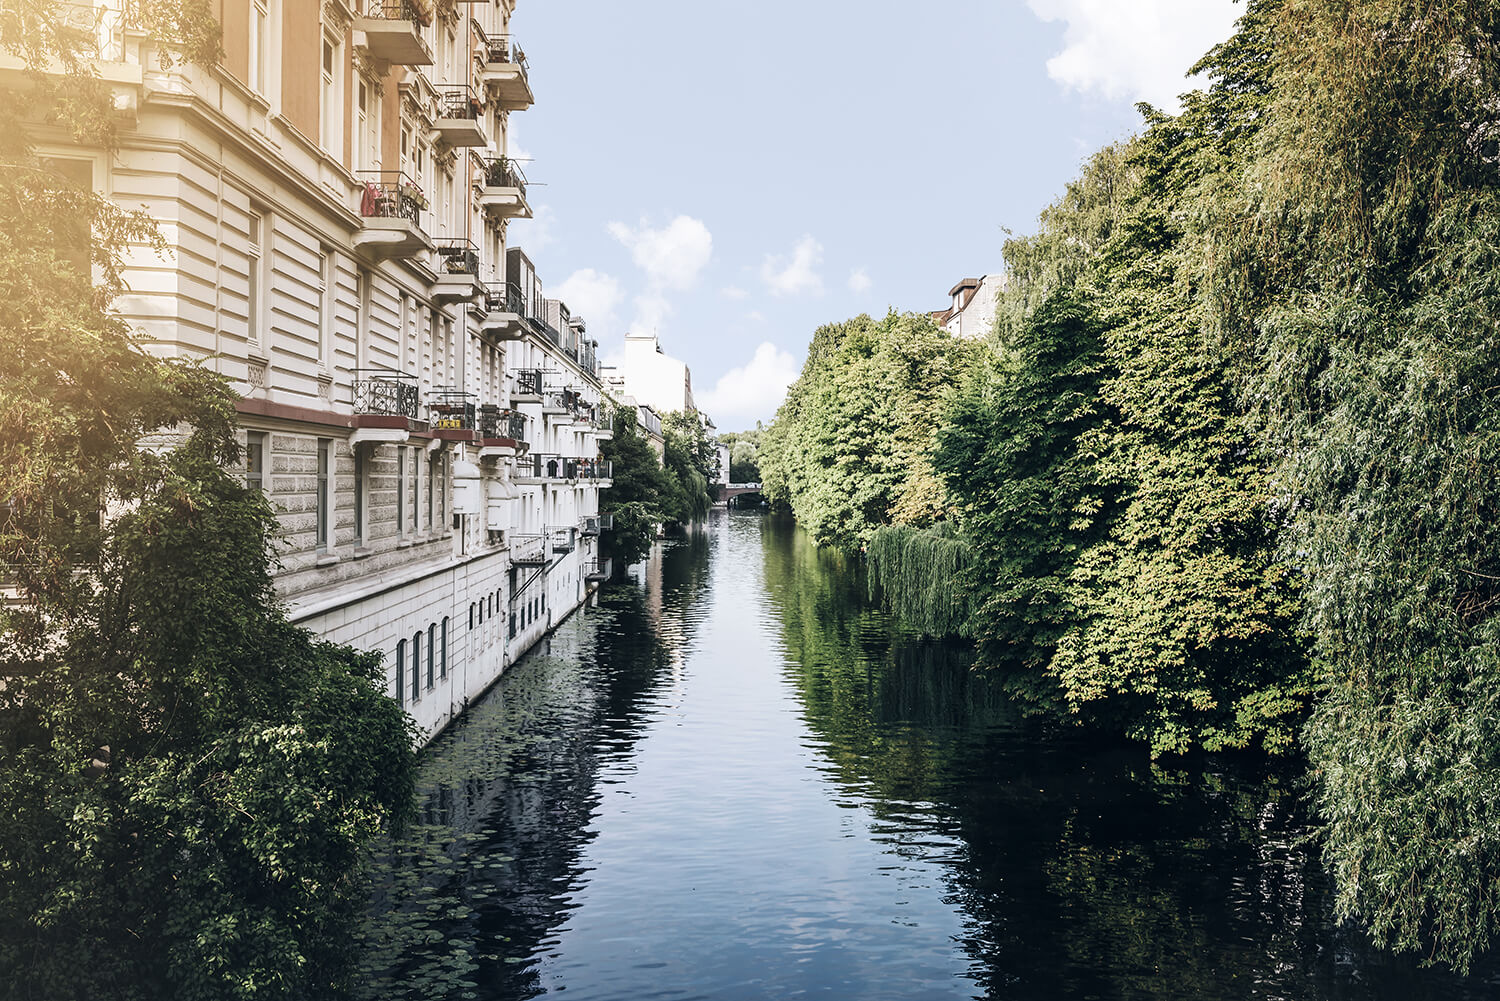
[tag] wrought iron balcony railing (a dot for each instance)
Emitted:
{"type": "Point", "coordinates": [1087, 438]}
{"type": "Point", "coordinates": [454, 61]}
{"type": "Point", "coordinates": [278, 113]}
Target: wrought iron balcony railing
{"type": "Point", "coordinates": [503, 172]}
{"type": "Point", "coordinates": [452, 409]}
{"type": "Point", "coordinates": [460, 101]}
{"type": "Point", "coordinates": [391, 194]}
{"type": "Point", "coordinates": [385, 392]}
{"type": "Point", "coordinates": [517, 425]}
{"type": "Point", "coordinates": [528, 382]}
{"type": "Point", "coordinates": [563, 540]}
{"type": "Point", "coordinates": [419, 11]}
{"type": "Point", "coordinates": [528, 549]}
{"type": "Point", "coordinates": [504, 299]}
{"type": "Point", "coordinates": [458, 256]}
{"type": "Point", "coordinates": [606, 522]}
{"type": "Point", "coordinates": [503, 49]}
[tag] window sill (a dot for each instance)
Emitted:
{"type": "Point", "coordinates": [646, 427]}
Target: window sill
{"type": "Point", "coordinates": [327, 559]}
{"type": "Point", "coordinates": [403, 543]}
{"type": "Point", "coordinates": [361, 553]}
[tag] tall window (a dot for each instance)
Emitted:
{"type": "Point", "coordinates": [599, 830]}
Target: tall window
{"type": "Point", "coordinates": [260, 47]}
{"type": "Point", "coordinates": [359, 496]}
{"type": "Point", "coordinates": [443, 649]}
{"type": "Point", "coordinates": [416, 667]}
{"type": "Point", "coordinates": [331, 116]}
{"type": "Point", "coordinates": [325, 494]}
{"type": "Point", "coordinates": [442, 492]}
{"type": "Point", "coordinates": [401, 489]}
{"type": "Point", "coordinates": [401, 671]}
{"type": "Point", "coordinates": [362, 334]}
{"type": "Point", "coordinates": [431, 653]}
{"type": "Point", "coordinates": [258, 242]}
{"type": "Point", "coordinates": [327, 286]}
{"type": "Point", "coordinates": [255, 460]}
{"type": "Point", "coordinates": [412, 489]}
{"type": "Point", "coordinates": [432, 482]}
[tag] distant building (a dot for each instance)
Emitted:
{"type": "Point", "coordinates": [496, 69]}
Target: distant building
{"type": "Point", "coordinates": [972, 306]}
{"type": "Point", "coordinates": [654, 377]}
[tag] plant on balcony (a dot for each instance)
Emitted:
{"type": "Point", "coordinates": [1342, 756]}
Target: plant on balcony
{"type": "Point", "coordinates": [410, 192]}
{"type": "Point", "coordinates": [421, 11]}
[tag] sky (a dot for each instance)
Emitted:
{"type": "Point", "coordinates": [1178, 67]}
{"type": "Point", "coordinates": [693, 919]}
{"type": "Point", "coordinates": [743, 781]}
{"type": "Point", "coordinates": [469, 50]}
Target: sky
{"type": "Point", "coordinates": [733, 176]}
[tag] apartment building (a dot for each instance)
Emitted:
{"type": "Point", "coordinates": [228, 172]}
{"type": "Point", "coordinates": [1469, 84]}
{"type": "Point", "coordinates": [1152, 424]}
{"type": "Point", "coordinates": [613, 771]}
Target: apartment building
{"type": "Point", "coordinates": [335, 198]}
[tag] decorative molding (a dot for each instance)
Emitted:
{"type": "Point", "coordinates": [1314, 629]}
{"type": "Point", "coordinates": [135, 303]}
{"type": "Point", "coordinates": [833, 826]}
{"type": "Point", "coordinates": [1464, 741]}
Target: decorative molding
{"type": "Point", "coordinates": [337, 15]}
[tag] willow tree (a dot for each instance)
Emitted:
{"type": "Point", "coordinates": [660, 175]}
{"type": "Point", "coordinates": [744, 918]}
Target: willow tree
{"type": "Point", "coordinates": [1357, 272]}
{"type": "Point", "coordinates": [187, 782]}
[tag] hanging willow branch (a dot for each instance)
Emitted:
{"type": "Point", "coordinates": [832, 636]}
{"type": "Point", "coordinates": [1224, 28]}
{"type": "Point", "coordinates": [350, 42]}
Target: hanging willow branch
{"type": "Point", "coordinates": [917, 573]}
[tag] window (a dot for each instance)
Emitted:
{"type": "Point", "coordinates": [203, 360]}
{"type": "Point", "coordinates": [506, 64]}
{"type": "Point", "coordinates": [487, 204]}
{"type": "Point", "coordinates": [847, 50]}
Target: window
{"type": "Point", "coordinates": [363, 160]}
{"type": "Point", "coordinates": [401, 671]}
{"type": "Point", "coordinates": [432, 482]}
{"type": "Point", "coordinates": [257, 251]}
{"type": "Point", "coordinates": [400, 492]}
{"type": "Point", "coordinates": [431, 653]}
{"type": "Point", "coordinates": [359, 496]}
{"type": "Point", "coordinates": [260, 47]}
{"type": "Point", "coordinates": [416, 667]}
{"type": "Point", "coordinates": [362, 335]}
{"type": "Point", "coordinates": [442, 490]}
{"type": "Point", "coordinates": [412, 477]}
{"type": "Point", "coordinates": [330, 116]}
{"type": "Point", "coordinates": [471, 615]}
{"type": "Point", "coordinates": [325, 494]}
{"type": "Point", "coordinates": [443, 657]}
{"type": "Point", "coordinates": [327, 282]}
{"type": "Point", "coordinates": [255, 460]}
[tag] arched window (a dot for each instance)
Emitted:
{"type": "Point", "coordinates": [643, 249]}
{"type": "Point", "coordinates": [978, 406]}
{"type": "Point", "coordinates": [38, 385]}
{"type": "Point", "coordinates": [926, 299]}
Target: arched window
{"type": "Point", "coordinates": [431, 649]}
{"type": "Point", "coordinates": [443, 660]}
{"type": "Point", "coordinates": [401, 672]}
{"type": "Point", "coordinates": [416, 666]}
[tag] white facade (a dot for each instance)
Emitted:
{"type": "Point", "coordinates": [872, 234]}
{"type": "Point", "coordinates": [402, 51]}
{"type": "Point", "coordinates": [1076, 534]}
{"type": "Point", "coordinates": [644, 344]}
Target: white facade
{"type": "Point", "coordinates": [655, 378]}
{"type": "Point", "coordinates": [973, 304]}
{"type": "Point", "coordinates": [335, 200]}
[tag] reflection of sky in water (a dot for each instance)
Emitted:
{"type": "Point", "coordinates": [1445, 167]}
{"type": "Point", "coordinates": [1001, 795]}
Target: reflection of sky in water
{"type": "Point", "coordinates": [735, 780]}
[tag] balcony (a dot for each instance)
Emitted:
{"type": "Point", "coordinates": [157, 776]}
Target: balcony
{"type": "Point", "coordinates": [541, 467]}
{"type": "Point", "coordinates": [505, 75]}
{"type": "Point", "coordinates": [594, 469]}
{"type": "Point", "coordinates": [528, 551]}
{"type": "Point", "coordinates": [503, 313]}
{"type": "Point", "coordinates": [502, 189]}
{"type": "Point", "coordinates": [95, 36]}
{"type": "Point", "coordinates": [528, 386]}
{"type": "Point", "coordinates": [458, 272]}
{"type": "Point", "coordinates": [606, 522]}
{"type": "Point", "coordinates": [597, 571]}
{"type": "Point", "coordinates": [385, 405]}
{"type": "Point", "coordinates": [390, 209]}
{"type": "Point", "coordinates": [460, 120]}
{"type": "Point", "coordinates": [502, 433]}
{"type": "Point", "coordinates": [564, 540]}
{"type": "Point", "coordinates": [393, 31]}
{"type": "Point", "coordinates": [452, 414]}
{"type": "Point", "coordinates": [589, 527]}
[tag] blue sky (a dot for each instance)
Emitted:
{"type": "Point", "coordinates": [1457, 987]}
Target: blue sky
{"type": "Point", "coordinates": [733, 176]}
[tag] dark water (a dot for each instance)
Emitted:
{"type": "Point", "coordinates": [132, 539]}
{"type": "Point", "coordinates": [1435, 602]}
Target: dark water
{"type": "Point", "coordinates": [736, 780]}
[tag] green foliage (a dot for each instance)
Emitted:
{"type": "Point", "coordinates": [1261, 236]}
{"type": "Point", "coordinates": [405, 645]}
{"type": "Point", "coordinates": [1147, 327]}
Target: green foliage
{"type": "Point", "coordinates": [918, 573]}
{"type": "Point", "coordinates": [743, 462]}
{"type": "Point", "coordinates": [847, 451]}
{"type": "Point", "coordinates": [187, 782]}
{"type": "Point", "coordinates": [1356, 287]}
{"type": "Point", "coordinates": [636, 492]}
{"type": "Point", "coordinates": [691, 462]}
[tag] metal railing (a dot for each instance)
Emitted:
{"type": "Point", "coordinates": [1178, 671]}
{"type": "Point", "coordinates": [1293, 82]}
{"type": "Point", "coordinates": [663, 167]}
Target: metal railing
{"type": "Point", "coordinates": [589, 525]}
{"type": "Point", "coordinates": [391, 194]}
{"type": "Point", "coordinates": [528, 549]}
{"type": "Point", "coordinates": [385, 392]}
{"type": "Point", "coordinates": [544, 466]}
{"type": "Point", "coordinates": [460, 101]}
{"type": "Point", "coordinates": [458, 256]}
{"type": "Point", "coordinates": [503, 49]}
{"type": "Point", "coordinates": [92, 32]}
{"type": "Point", "coordinates": [452, 409]}
{"type": "Point", "coordinates": [503, 299]}
{"type": "Point", "coordinates": [495, 422]}
{"type": "Point", "coordinates": [606, 522]}
{"type": "Point", "coordinates": [563, 540]}
{"type": "Point", "coordinates": [528, 382]}
{"type": "Point", "coordinates": [503, 172]}
{"type": "Point", "coordinates": [518, 427]}
{"type": "Point", "coordinates": [419, 11]}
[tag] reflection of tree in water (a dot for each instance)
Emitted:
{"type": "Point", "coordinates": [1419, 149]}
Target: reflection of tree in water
{"type": "Point", "coordinates": [1082, 869]}
{"type": "Point", "coordinates": [467, 900]}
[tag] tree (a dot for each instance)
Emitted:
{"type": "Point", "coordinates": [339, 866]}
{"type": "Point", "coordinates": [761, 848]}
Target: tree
{"type": "Point", "coordinates": [1356, 287]}
{"type": "Point", "coordinates": [634, 497]}
{"type": "Point", "coordinates": [692, 463]}
{"type": "Point", "coordinates": [187, 782]}
{"type": "Point", "coordinates": [847, 451]}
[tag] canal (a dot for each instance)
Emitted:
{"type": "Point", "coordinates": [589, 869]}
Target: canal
{"type": "Point", "coordinates": [735, 779]}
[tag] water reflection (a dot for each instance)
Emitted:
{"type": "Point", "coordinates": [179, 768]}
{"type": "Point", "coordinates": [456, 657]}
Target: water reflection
{"type": "Point", "coordinates": [734, 779]}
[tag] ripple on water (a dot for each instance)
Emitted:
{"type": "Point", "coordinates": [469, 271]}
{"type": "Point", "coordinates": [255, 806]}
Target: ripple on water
{"type": "Point", "coordinates": [735, 780]}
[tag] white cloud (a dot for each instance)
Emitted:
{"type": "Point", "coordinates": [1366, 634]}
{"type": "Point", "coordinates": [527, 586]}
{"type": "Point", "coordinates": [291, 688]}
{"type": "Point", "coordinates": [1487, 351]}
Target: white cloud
{"type": "Point", "coordinates": [733, 292]}
{"type": "Point", "coordinates": [859, 281]}
{"type": "Point", "coordinates": [756, 315]}
{"type": "Point", "coordinates": [796, 274]}
{"type": "Point", "coordinates": [754, 390]}
{"type": "Point", "coordinates": [651, 310]}
{"type": "Point", "coordinates": [673, 256]}
{"type": "Point", "coordinates": [1137, 51]}
{"type": "Point", "coordinates": [535, 233]}
{"type": "Point", "coordinates": [592, 295]}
